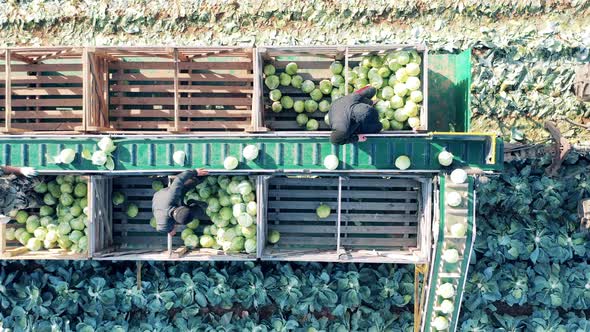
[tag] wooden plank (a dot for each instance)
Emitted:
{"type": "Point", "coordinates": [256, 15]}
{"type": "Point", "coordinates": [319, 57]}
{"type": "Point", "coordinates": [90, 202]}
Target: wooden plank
{"type": "Point", "coordinates": [363, 206]}
{"type": "Point", "coordinates": [230, 65]}
{"type": "Point", "coordinates": [7, 92]}
{"type": "Point", "coordinates": [373, 242]}
{"type": "Point", "coordinates": [157, 124]}
{"type": "Point", "coordinates": [65, 102]}
{"type": "Point", "coordinates": [208, 77]}
{"type": "Point", "coordinates": [314, 229]}
{"type": "Point", "coordinates": [147, 113]}
{"type": "Point", "coordinates": [304, 182]}
{"type": "Point", "coordinates": [183, 101]}
{"type": "Point", "coordinates": [54, 67]}
{"type": "Point", "coordinates": [47, 126]}
{"type": "Point", "coordinates": [182, 88]}
{"type": "Point", "coordinates": [67, 79]}
{"type": "Point", "coordinates": [47, 114]}
{"type": "Point", "coordinates": [176, 93]}
{"type": "Point", "coordinates": [376, 217]}
{"type": "Point", "coordinates": [47, 91]}
{"type": "Point", "coordinates": [294, 193]}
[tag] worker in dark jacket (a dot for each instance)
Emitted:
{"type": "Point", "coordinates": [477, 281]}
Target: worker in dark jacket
{"type": "Point", "coordinates": [16, 190]}
{"type": "Point", "coordinates": [167, 204]}
{"type": "Point", "coordinates": [354, 115]}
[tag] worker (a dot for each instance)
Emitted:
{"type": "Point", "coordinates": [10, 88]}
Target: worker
{"type": "Point", "coordinates": [354, 115]}
{"type": "Point", "coordinates": [167, 204]}
{"type": "Point", "coordinates": [16, 190]}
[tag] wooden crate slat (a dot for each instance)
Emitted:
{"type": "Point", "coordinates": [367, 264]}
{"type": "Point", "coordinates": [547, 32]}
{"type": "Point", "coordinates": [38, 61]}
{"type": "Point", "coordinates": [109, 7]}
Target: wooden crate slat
{"type": "Point", "coordinates": [192, 113]}
{"type": "Point", "coordinates": [290, 193]}
{"type": "Point", "coordinates": [183, 77]}
{"type": "Point", "coordinates": [376, 217]}
{"type": "Point", "coordinates": [163, 125]}
{"type": "Point", "coordinates": [46, 114]}
{"type": "Point", "coordinates": [183, 88]}
{"type": "Point", "coordinates": [298, 205]}
{"type": "Point", "coordinates": [66, 102]}
{"type": "Point", "coordinates": [46, 126]}
{"type": "Point", "coordinates": [229, 65]}
{"type": "Point", "coordinates": [183, 101]}
{"type": "Point", "coordinates": [46, 91]}
{"type": "Point", "coordinates": [303, 229]}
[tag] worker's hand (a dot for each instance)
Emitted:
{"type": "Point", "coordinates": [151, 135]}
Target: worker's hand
{"type": "Point", "coordinates": [202, 172]}
{"type": "Point", "coordinates": [362, 138]}
{"type": "Point", "coordinates": [173, 231]}
{"type": "Point", "coordinates": [28, 171]}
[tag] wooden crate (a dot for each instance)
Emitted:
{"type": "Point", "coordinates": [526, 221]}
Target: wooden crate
{"type": "Point", "coordinates": [381, 219]}
{"type": "Point", "coordinates": [45, 90]}
{"type": "Point", "coordinates": [13, 250]}
{"type": "Point", "coordinates": [314, 64]}
{"type": "Point", "coordinates": [158, 89]}
{"type": "Point", "coordinates": [118, 237]}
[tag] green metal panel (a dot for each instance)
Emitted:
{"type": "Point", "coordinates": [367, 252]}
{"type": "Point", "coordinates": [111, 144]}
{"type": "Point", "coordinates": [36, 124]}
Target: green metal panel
{"type": "Point", "coordinates": [139, 154]}
{"type": "Point", "coordinates": [449, 81]}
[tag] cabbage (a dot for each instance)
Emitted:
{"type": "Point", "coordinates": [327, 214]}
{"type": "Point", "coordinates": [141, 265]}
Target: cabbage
{"type": "Point", "coordinates": [251, 208]}
{"type": "Point", "coordinates": [227, 234]}
{"type": "Point", "coordinates": [237, 244]}
{"type": "Point", "coordinates": [337, 80]}
{"type": "Point", "coordinates": [275, 95]}
{"type": "Point", "coordinates": [458, 176]}
{"type": "Point", "coordinates": [403, 162]}
{"type": "Point", "coordinates": [213, 229]}
{"type": "Point", "coordinates": [301, 119]}
{"type": "Point", "coordinates": [225, 213]}
{"type": "Point", "coordinates": [446, 290]}
{"type": "Point", "coordinates": [83, 243]}
{"type": "Point", "coordinates": [336, 67]}
{"type": "Point", "coordinates": [307, 86]}
{"type": "Point", "coordinates": [99, 158]}
{"type": "Point", "coordinates": [382, 106]}
{"type": "Point", "coordinates": [66, 156]}
{"type": "Point", "coordinates": [299, 106]}
{"type": "Point", "coordinates": [179, 157]}
{"type": "Point", "coordinates": [327, 119]}
{"type": "Point", "coordinates": [400, 115]}
{"type": "Point", "coordinates": [40, 188]}
{"type": "Point", "coordinates": [316, 95]}
{"type": "Point", "coordinates": [291, 68]}
{"type": "Point", "coordinates": [445, 158]}
{"type": "Point", "coordinates": [311, 106]}
{"type": "Point", "coordinates": [413, 69]}
{"type": "Point", "coordinates": [331, 162]}
{"type": "Point", "coordinates": [410, 108]}
{"type": "Point", "coordinates": [312, 124]}
{"type": "Point", "coordinates": [206, 241]}
{"type": "Point", "coordinates": [224, 200]}
{"type": "Point", "coordinates": [40, 233]}
{"type": "Point", "coordinates": [238, 209]}
{"type": "Point", "coordinates": [250, 152]}
{"type": "Point", "coordinates": [132, 210]}
{"type": "Point", "coordinates": [245, 187]}
{"type": "Point", "coordinates": [416, 96]}
{"type": "Point", "coordinates": [323, 211]}
{"type": "Point", "coordinates": [387, 92]}
{"type": "Point", "coordinates": [66, 188]}
{"type": "Point", "coordinates": [230, 163]}
{"type": "Point", "coordinates": [453, 199]}
{"type": "Point", "coordinates": [192, 241]}
{"type": "Point", "coordinates": [232, 188]}
{"type": "Point", "coordinates": [272, 82]}
{"type": "Point", "coordinates": [52, 234]}
{"type": "Point", "coordinates": [153, 222]}
{"type": "Point", "coordinates": [284, 79]}
{"type": "Point", "coordinates": [396, 125]}
{"type": "Point", "coordinates": [245, 220]}
{"type": "Point", "coordinates": [53, 188]}
{"type": "Point", "coordinates": [274, 237]}
{"type": "Point", "coordinates": [451, 256]}
{"type": "Point", "coordinates": [324, 106]}
{"type": "Point", "coordinates": [249, 198]}
{"type": "Point", "coordinates": [269, 70]}
{"type": "Point", "coordinates": [75, 236]}
{"type": "Point", "coordinates": [66, 199]}
{"type": "Point", "coordinates": [296, 81]}
{"type": "Point", "coordinates": [414, 122]}
{"type": "Point", "coordinates": [248, 232]}
{"type": "Point", "coordinates": [186, 232]}
{"type": "Point", "coordinates": [49, 244]}
{"type": "Point", "coordinates": [119, 198]}
{"type": "Point", "coordinates": [34, 244]}
{"type": "Point", "coordinates": [21, 217]}
{"type": "Point", "coordinates": [205, 193]}
{"type": "Point", "coordinates": [157, 185]}
{"type": "Point", "coordinates": [250, 246]}
{"type": "Point", "coordinates": [194, 224]}
{"type": "Point", "coordinates": [46, 211]}
{"type": "Point", "coordinates": [287, 102]}
{"type": "Point", "coordinates": [325, 87]}
{"type": "Point", "coordinates": [10, 234]}
{"type": "Point", "coordinates": [80, 190]}
{"type": "Point", "coordinates": [440, 323]}
{"type": "Point", "coordinates": [400, 89]}
{"type": "Point", "coordinates": [24, 238]}
{"type": "Point", "coordinates": [106, 144]}
{"type": "Point", "coordinates": [213, 204]}
{"type": "Point", "coordinates": [447, 307]}
{"type": "Point", "coordinates": [385, 124]}
{"type": "Point", "coordinates": [83, 203]}
{"type": "Point", "coordinates": [64, 243]}
{"type": "Point", "coordinates": [413, 83]}
{"type": "Point", "coordinates": [76, 211]}
{"type": "Point", "coordinates": [32, 224]}
{"type": "Point", "coordinates": [78, 224]}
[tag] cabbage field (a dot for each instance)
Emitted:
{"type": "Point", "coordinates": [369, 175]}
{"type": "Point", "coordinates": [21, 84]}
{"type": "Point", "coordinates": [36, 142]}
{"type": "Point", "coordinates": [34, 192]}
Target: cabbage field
{"type": "Point", "coordinates": [531, 270]}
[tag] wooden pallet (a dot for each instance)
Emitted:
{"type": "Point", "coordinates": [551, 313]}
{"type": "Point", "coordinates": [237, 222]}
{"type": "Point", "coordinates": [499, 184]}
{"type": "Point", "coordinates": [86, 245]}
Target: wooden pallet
{"type": "Point", "coordinates": [125, 238]}
{"type": "Point", "coordinates": [381, 219]}
{"type": "Point", "coordinates": [14, 250]}
{"type": "Point", "coordinates": [314, 64]}
{"type": "Point", "coordinates": [172, 89]}
{"type": "Point", "coordinates": [45, 90]}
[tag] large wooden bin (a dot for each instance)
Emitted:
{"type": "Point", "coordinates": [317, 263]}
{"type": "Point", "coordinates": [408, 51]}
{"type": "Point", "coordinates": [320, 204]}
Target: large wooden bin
{"type": "Point", "coordinates": [119, 237]}
{"type": "Point", "coordinates": [372, 220]}
{"type": "Point", "coordinates": [42, 90]}
{"type": "Point", "coordinates": [13, 250]}
{"type": "Point", "coordinates": [159, 89]}
{"type": "Point", "coordinates": [314, 64]}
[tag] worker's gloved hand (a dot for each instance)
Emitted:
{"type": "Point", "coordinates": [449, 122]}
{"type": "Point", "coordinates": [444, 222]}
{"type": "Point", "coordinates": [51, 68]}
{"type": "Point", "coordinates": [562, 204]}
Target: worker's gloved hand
{"type": "Point", "coordinates": [28, 171]}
